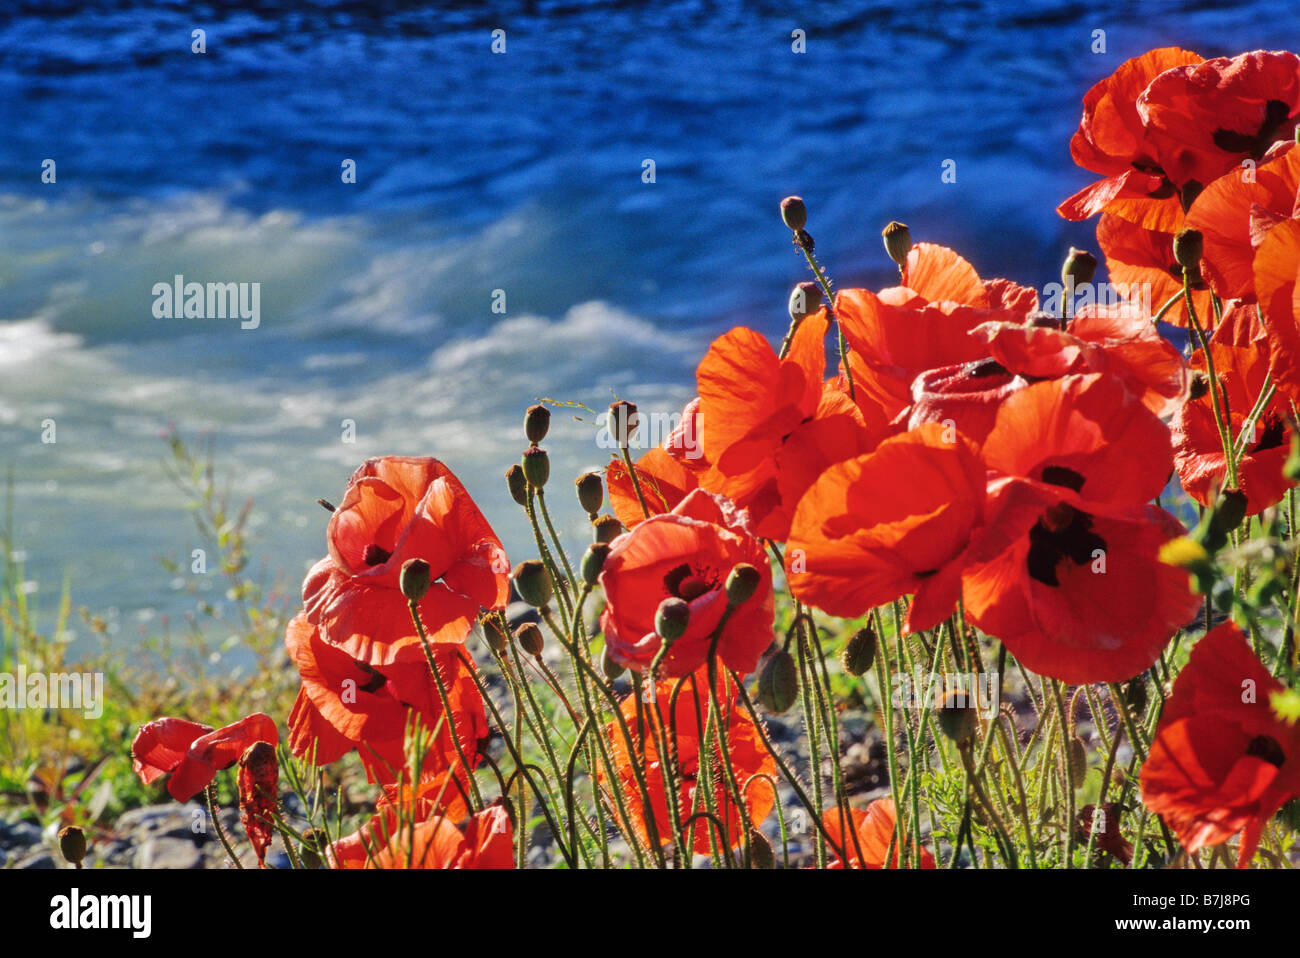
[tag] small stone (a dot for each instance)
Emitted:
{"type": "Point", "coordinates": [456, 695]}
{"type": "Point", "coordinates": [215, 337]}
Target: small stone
{"type": "Point", "coordinates": [41, 858]}
{"type": "Point", "coordinates": [167, 852]}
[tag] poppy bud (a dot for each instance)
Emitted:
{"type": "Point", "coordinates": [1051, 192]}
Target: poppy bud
{"type": "Point", "coordinates": [493, 634]}
{"type": "Point", "coordinates": [414, 580]}
{"type": "Point", "coordinates": [805, 299]}
{"type": "Point", "coordinates": [611, 668]}
{"type": "Point", "coordinates": [591, 492]}
{"type": "Point", "coordinates": [760, 851]}
{"type": "Point", "coordinates": [530, 639]}
{"type": "Point", "coordinates": [537, 420]}
{"type": "Point", "coordinates": [258, 787]}
{"type": "Point", "coordinates": [593, 560]}
{"type": "Point", "coordinates": [537, 466]}
{"type": "Point", "coordinates": [517, 484]}
{"type": "Point", "coordinates": [898, 242]}
{"type": "Point", "coordinates": [1079, 267]}
{"type": "Point", "coordinates": [1078, 762]}
{"type": "Point", "coordinates": [778, 682]}
{"type": "Point", "coordinates": [956, 716]}
{"type": "Point", "coordinates": [1135, 695]}
{"type": "Point", "coordinates": [1188, 246]}
{"type": "Point", "coordinates": [623, 420]}
{"type": "Point", "coordinates": [793, 213]}
{"type": "Point", "coordinates": [533, 582]}
{"type": "Point", "coordinates": [742, 583]}
{"type": "Point", "coordinates": [1228, 513]}
{"type": "Point", "coordinates": [672, 618]}
{"type": "Point", "coordinates": [860, 651]}
{"type": "Point", "coordinates": [606, 528]}
{"type": "Point", "coordinates": [72, 843]}
{"type": "Point", "coordinates": [1291, 468]}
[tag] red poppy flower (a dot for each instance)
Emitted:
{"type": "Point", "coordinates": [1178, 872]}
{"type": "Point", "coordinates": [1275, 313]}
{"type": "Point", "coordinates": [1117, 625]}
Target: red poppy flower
{"type": "Point", "coordinates": [1222, 761]}
{"type": "Point", "coordinates": [1143, 259]}
{"type": "Point", "coordinates": [664, 481]}
{"type": "Point", "coordinates": [1114, 338]}
{"type": "Point", "coordinates": [1240, 350]}
{"type": "Point", "coordinates": [875, 831]}
{"type": "Point", "coordinates": [1112, 140]}
{"type": "Point", "coordinates": [484, 840]}
{"type": "Point", "coordinates": [906, 518]}
{"type": "Point", "coordinates": [1235, 214]}
{"type": "Point", "coordinates": [903, 331]}
{"type": "Point", "coordinates": [1205, 118]}
{"type": "Point", "coordinates": [345, 704]}
{"type": "Point", "coordinates": [967, 395]}
{"type": "Point", "coordinates": [192, 753]}
{"type": "Point", "coordinates": [1277, 284]}
{"type": "Point", "coordinates": [397, 509]}
{"type": "Point", "coordinates": [259, 777]}
{"type": "Point", "coordinates": [687, 553]}
{"type": "Point", "coordinates": [1083, 597]}
{"type": "Point", "coordinates": [745, 747]}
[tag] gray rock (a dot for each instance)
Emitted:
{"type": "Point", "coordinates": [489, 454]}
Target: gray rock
{"type": "Point", "coordinates": [168, 852]}
{"type": "Point", "coordinates": [19, 835]}
{"type": "Point", "coordinates": [517, 613]}
{"type": "Point", "coordinates": [158, 821]}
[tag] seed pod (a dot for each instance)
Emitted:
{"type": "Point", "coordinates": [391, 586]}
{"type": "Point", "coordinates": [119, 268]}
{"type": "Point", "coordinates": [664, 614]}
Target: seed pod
{"type": "Point", "coordinates": [591, 492]}
{"type": "Point", "coordinates": [793, 212]}
{"type": "Point", "coordinates": [1135, 695]}
{"type": "Point", "coordinates": [537, 422]}
{"type": "Point", "coordinates": [1188, 247]}
{"type": "Point", "coordinates": [72, 843]}
{"type": "Point", "coordinates": [956, 716]}
{"type": "Point", "coordinates": [593, 560]}
{"type": "Point", "coordinates": [537, 466]}
{"type": "Point", "coordinates": [742, 582]}
{"type": "Point", "coordinates": [533, 582]}
{"type": "Point", "coordinates": [493, 634]}
{"type": "Point", "coordinates": [860, 651]}
{"type": "Point", "coordinates": [606, 528]}
{"type": "Point", "coordinates": [414, 580]}
{"type": "Point", "coordinates": [623, 420]}
{"type": "Point", "coordinates": [517, 484]}
{"type": "Point", "coordinates": [805, 299]}
{"type": "Point", "coordinates": [1079, 268]}
{"type": "Point", "coordinates": [530, 638]}
{"type": "Point", "coordinates": [898, 242]}
{"type": "Point", "coordinates": [672, 618]}
{"type": "Point", "coordinates": [778, 682]}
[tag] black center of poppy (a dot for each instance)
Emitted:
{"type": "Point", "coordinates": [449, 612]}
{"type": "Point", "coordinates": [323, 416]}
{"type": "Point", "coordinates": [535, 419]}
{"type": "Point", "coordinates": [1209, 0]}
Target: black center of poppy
{"type": "Point", "coordinates": [1266, 749]}
{"type": "Point", "coordinates": [983, 368]}
{"type": "Point", "coordinates": [1271, 432]}
{"type": "Point", "coordinates": [375, 680]}
{"type": "Point", "coordinates": [1063, 476]}
{"type": "Point", "coordinates": [1063, 532]}
{"type": "Point", "coordinates": [1276, 113]}
{"type": "Point", "coordinates": [685, 583]}
{"type": "Point", "coordinates": [375, 554]}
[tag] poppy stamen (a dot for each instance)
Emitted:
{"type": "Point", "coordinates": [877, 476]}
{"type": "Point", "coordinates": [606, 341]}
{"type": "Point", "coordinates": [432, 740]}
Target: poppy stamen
{"type": "Point", "coordinates": [1062, 533]}
{"type": "Point", "coordinates": [375, 554]}
{"type": "Point", "coordinates": [1266, 749]}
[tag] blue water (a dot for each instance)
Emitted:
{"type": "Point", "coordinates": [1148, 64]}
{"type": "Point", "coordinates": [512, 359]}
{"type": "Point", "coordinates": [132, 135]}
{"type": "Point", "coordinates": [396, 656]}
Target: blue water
{"type": "Point", "coordinates": [476, 172]}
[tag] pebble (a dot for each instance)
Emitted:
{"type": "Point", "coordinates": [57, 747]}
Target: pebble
{"type": "Point", "coordinates": [167, 852]}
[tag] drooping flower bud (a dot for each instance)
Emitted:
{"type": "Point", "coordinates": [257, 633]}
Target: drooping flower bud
{"type": "Point", "coordinates": [1188, 247]}
{"type": "Point", "coordinates": [672, 618]}
{"type": "Point", "coordinates": [956, 716]}
{"type": "Point", "coordinates": [533, 582]}
{"type": "Point", "coordinates": [414, 580]}
{"type": "Point", "coordinates": [793, 213]}
{"type": "Point", "coordinates": [259, 775]}
{"type": "Point", "coordinates": [517, 484]}
{"type": "Point", "coordinates": [805, 299]}
{"type": "Point", "coordinates": [761, 855]}
{"type": "Point", "coordinates": [859, 651]}
{"type": "Point", "coordinates": [611, 668]}
{"type": "Point", "coordinates": [537, 466]}
{"type": "Point", "coordinates": [314, 843]}
{"type": "Point", "coordinates": [593, 560]}
{"type": "Point", "coordinates": [606, 528]}
{"type": "Point", "coordinates": [591, 492]}
{"type": "Point", "coordinates": [742, 582]}
{"type": "Point", "coordinates": [898, 242]}
{"type": "Point", "coordinates": [778, 682]}
{"type": "Point", "coordinates": [530, 638]}
{"type": "Point", "coordinates": [1078, 762]}
{"type": "Point", "coordinates": [537, 421]}
{"type": "Point", "coordinates": [72, 843]}
{"type": "Point", "coordinates": [623, 421]}
{"type": "Point", "coordinates": [1079, 268]}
